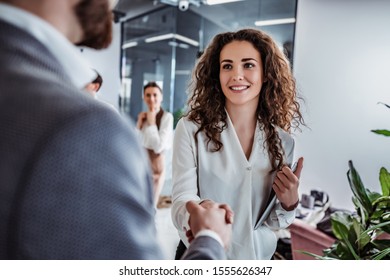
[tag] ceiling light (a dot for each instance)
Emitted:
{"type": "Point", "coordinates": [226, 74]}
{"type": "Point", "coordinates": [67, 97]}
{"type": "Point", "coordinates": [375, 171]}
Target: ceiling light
{"type": "Point", "coordinates": [173, 43]}
{"type": "Point", "coordinates": [159, 38]}
{"type": "Point", "coordinates": [129, 45]}
{"type": "Point", "coordinates": [274, 21]}
{"type": "Point", "coordinates": [183, 46]}
{"type": "Point", "coordinates": [187, 40]}
{"type": "Point", "coordinates": [172, 36]}
{"type": "Point", "coordinates": [176, 44]}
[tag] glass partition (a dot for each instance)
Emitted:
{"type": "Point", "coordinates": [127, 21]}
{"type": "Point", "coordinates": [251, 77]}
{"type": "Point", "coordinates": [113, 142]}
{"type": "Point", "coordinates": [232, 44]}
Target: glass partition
{"type": "Point", "coordinates": [163, 45]}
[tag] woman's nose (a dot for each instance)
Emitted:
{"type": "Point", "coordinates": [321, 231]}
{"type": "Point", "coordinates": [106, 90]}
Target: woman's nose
{"type": "Point", "coordinates": [238, 77]}
{"type": "Point", "coordinates": [238, 74]}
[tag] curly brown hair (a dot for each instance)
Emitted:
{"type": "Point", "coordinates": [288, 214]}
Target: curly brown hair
{"type": "Point", "coordinates": [278, 105]}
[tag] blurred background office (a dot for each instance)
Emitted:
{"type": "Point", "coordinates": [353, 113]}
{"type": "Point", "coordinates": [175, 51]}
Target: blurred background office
{"type": "Point", "coordinates": [339, 51]}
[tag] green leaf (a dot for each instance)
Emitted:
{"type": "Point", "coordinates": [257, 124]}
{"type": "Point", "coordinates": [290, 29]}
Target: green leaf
{"type": "Point", "coordinates": [340, 221]}
{"type": "Point", "coordinates": [380, 255]}
{"type": "Point", "coordinates": [385, 218]}
{"type": "Point", "coordinates": [381, 244]}
{"type": "Point", "coordinates": [362, 238]}
{"type": "Point", "coordinates": [344, 251]}
{"type": "Point", "coordinates": [381, 207]}
{"type": "Point", "coordinates": [341, 251]}
{"type": "Point", "coordinates": [378, 226]}
{"type": "Point", "coordinates": [384, 178]}
{"type": "Point", "coordinates": [315, 255]}
{"type": "Point", "coordinates": [384, 132]}
{"type": "Point", "coordinates": [373, 195]}
{"type": "Point", "coordinates": [358, 190]}
{"type": "Point", "coordinates": [382, 202]}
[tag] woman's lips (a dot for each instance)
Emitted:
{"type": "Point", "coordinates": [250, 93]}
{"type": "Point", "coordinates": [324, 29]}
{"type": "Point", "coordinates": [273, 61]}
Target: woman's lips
{"type": "Point", "coordinates": [239, 88]}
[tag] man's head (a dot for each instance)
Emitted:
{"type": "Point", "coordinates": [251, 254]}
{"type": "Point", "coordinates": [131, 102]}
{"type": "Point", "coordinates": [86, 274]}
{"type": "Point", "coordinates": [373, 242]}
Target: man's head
{"type": "Point", "coordinates": [95, 18]}
{"type": "Point", "coordinates": [84, 22]}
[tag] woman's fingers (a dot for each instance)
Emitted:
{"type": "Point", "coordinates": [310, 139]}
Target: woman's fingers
{"type": "Point", "coordinates": [298, 171]}
{"type": "Point", "coordinates": [229, 213]}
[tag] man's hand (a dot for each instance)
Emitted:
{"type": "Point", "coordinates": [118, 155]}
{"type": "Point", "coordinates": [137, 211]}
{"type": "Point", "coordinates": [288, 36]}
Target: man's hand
{"type": "Point", "coordinates": [211, 218]}
{"type": "Point", "coordinates": [286, 185]}
{"type": "Point", "coordinates": [210, 204]}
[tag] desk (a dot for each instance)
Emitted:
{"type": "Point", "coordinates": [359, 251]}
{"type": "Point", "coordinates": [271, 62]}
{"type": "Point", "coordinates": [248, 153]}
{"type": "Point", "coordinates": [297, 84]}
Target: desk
{"type": "Point", "coordinates": [307, 238]}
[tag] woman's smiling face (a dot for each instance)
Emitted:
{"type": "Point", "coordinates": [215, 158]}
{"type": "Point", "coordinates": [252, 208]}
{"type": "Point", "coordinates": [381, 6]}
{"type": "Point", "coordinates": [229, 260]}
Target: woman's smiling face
{"type": "Point", "coordinates": [241, 73]}
{"type": "Point", "coordinates": [153, 98]}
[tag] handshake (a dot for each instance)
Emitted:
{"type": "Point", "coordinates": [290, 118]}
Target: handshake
{"type": "Point", "coordinates": [210, 216]}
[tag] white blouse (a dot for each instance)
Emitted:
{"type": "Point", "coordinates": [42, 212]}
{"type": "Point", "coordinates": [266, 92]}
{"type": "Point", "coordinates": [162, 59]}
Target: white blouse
{"type": "Point", "coordinates": [228, 177]}
{"type": "Point", "coordinates": [155, 139]}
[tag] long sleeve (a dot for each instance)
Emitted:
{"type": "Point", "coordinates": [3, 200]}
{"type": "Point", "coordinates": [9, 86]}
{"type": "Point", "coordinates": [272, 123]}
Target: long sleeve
{"type": "Point", "coordinates": [97, 204]}
{"type": "Point", "coordinates": [159, 140]}
{"type": "Point", "coordinates": [227, 176]}
{"type": "Point", "coordinates": [280, 218]}
{"type": "Point", "coordinates": [184, 175]}
{"type": "Point", "coordinates": [204, 248]}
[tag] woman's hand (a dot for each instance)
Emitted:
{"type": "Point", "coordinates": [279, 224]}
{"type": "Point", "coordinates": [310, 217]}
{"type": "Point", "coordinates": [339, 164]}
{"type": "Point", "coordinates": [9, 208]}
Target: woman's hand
{"type": "Point", "coordinates": [208, 204]}
{"type": "Point", "coordinates": [286, 185]}
{"type": "Point", "coordinates": [151, 117]}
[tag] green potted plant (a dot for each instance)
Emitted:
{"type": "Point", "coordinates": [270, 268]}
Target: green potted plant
{"type": "Point", "coordinates": [177, 116]}
{"type": "Point", "coordinates": [363, 234]}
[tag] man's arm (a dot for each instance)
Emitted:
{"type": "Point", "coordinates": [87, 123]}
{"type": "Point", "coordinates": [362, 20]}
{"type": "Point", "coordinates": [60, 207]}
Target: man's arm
{"type": "Point", "coordinates": [88, 194]}
{"type": "Point", "coordinates": [204, 248]}
{"type": "Point", "coordinates": [211, 229]}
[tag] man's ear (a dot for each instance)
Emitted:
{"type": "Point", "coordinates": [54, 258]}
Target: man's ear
{"type": "Point", "coordinates": [96, 87]}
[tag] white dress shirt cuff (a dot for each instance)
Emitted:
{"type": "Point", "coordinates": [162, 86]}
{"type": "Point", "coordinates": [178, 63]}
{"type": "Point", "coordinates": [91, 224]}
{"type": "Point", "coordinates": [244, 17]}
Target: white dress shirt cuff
{"type": "Point", "coordinates": [285, 217]}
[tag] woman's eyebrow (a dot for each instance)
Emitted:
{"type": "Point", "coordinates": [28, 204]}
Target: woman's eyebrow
{"type": "Point", "coordinates": [248, 59]}
{"type": "Point", "coordinates": [231, 61]}
{"type": "Point", "coordinates": [226, 60]}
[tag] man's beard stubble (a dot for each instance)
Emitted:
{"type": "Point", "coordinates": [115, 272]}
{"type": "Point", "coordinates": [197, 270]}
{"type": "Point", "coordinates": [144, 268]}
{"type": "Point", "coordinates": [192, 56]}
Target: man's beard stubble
{"type": "Point", "coordinates": [96, 20]}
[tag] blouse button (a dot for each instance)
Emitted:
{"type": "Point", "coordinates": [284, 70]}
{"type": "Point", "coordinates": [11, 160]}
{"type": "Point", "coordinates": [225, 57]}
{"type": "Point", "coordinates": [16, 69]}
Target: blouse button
{"type": "Point", "coordinates": [249, 168]}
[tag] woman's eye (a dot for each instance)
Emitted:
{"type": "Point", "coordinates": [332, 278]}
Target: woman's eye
{"type": "Point", "coordinates": [226, 66]}
{"type": "Point", "coordinates": [249, 65]}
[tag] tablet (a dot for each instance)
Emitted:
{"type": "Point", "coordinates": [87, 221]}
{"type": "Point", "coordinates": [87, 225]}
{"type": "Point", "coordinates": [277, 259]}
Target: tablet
{"type": "Point", "coordinates": [270, 203]}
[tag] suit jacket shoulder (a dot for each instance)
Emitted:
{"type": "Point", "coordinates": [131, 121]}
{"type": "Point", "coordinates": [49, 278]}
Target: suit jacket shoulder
{"type": "Point", "coordinates": [74, 179]}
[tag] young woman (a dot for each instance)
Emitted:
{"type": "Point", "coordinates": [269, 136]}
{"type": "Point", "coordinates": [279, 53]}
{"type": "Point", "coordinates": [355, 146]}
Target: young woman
{"type": "Point", "coordinates": [234, 145]}
{"type": "Point", "coordinates": [156, 128]}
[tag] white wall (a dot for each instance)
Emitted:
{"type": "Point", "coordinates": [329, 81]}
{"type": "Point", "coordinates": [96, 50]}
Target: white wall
{"type": "Point", "coordinates": [107, 63]}
{"type": "Point", "coordinates": [342, 67]}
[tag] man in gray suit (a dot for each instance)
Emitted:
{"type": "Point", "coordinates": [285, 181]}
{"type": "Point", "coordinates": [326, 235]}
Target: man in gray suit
{"type": "Point", "coordinates": [74, 181]}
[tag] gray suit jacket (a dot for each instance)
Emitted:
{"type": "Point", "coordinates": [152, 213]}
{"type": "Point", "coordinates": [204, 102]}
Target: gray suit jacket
{"type": "Point", "coordinates": [74, 181]}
